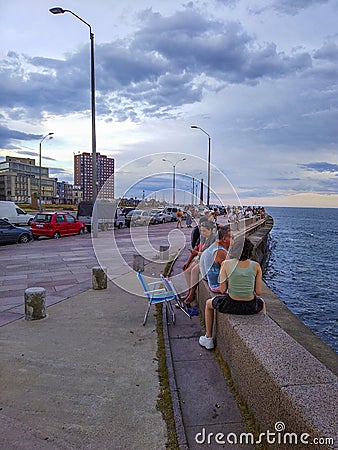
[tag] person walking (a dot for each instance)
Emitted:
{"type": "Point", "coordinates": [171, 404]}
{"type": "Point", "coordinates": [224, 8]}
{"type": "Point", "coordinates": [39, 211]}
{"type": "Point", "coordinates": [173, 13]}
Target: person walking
{"type": "Point", "coordinates": [188, 221]}
{"type": "Point", "coordinates": [179, 217]}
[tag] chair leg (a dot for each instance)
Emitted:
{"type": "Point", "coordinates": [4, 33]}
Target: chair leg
{"type": "Point", "coordinates": [172, 312]}
{"type": "Point", "coordinates": [146, 314]}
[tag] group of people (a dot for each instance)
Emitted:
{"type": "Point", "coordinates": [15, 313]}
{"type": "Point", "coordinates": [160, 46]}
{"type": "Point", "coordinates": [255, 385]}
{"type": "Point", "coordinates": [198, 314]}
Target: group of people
{"type": "Point", "coordinates": [227, 267]}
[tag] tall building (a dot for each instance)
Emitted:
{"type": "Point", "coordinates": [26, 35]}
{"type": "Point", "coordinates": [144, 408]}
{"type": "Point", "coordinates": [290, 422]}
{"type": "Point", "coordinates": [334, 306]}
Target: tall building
{"type": "Point", "coordinates": [83, 175]}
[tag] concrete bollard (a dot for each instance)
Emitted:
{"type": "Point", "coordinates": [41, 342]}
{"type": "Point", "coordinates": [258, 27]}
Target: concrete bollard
{"type": "Point", "coordinates": [35, 303]}
{"type": "Point", "coordinates": [138, 263]}
{"type": "Point", "coordinates": [164, 252]}
{"type": "Point", "coordinates": [99, 278]}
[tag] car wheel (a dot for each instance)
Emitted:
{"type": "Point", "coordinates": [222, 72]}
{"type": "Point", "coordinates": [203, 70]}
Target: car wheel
{"type": "Point", "coordinates": [119, 226]}
{"type": "Point", "coordinates": [163, 221]}
{"type": "Point", "coordinates": [56, 235]}
{"type": "Point", "coordinates": [23, 239]}
{"type": "Point", "coordinates": [81, 231]}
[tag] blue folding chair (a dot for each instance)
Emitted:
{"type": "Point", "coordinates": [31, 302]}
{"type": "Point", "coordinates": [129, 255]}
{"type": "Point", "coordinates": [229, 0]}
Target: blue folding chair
{"type": "Point", "coordinates": [171, 288]}
{"type": "Point", "coordinates": [157, 292]}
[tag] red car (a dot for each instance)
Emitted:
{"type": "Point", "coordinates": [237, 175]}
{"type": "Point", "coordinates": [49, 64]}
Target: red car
{"type": "Point", "coordinates": [55, 225]}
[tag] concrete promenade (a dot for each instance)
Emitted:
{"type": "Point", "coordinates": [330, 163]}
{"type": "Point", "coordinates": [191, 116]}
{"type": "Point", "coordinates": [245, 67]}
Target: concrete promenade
{"type": "Point", "coordinates": [86, 377]}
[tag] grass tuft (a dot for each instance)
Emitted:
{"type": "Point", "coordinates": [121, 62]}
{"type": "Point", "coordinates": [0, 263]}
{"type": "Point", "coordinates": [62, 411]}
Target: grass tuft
{"type": "Point", "coordinates": [164, 402]}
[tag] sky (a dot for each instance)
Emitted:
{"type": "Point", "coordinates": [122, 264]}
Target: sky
{"type": "Point", "coordinates": [261, 78]}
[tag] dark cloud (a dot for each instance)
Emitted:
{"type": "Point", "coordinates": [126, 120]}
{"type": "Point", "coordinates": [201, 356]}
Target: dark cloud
{"type": "Point", "coordinates": [7, 135]}
{"type": "Point", "coordinates": [57, 170]}
{"type": "Point", "coordinates": [293, 7]}
{"type": "Point", "coordinates": [320, 167]}
{"type": "Point", "coordinates": [289, 7]}
{"type": "Point", "coordinates": [169, 62]}
{"type": "Point", "coordinates": [329, 51]}
{"type": "Point", "coordinates": [25, 152]}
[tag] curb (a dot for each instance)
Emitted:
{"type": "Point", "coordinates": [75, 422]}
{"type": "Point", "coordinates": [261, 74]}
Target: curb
{"type": "Point", "coordinates": [178, 417]}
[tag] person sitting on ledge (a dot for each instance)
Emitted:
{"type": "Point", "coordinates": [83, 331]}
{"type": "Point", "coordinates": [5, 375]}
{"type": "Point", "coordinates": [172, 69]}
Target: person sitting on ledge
{"type": "Point", "coordinates": [241, 283]}
{"type": "Point", "coordinates": [191, 267]}
{"type": "Point", "coordinates": [213, 257]}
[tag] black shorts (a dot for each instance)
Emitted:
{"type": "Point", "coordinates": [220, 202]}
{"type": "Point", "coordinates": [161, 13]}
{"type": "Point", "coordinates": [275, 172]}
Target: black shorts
{"type": "Point", "coordinates": [225, 304]}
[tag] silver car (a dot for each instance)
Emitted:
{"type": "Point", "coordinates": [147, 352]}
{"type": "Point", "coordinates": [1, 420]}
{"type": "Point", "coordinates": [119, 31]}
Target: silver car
{"type": "Point", "coordinates": [160, 216]}
{"type": "Point", "coordinates": [139, 217]}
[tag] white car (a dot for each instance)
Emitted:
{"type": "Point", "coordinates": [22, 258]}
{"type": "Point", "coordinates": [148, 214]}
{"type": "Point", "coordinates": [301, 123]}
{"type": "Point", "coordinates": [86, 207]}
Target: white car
{"type": "Point", "coordinates": [12, 213]}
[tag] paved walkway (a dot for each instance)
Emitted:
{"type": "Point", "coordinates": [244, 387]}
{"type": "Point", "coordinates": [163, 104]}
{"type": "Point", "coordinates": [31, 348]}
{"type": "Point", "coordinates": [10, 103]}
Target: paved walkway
{"type": "Point", "coordinates": [204, 397]}
{"type": "Point", "coordinates": [86, 377]}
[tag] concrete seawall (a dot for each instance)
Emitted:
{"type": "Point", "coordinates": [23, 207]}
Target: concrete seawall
{"type": "Point", "coordinates": [285, 373]}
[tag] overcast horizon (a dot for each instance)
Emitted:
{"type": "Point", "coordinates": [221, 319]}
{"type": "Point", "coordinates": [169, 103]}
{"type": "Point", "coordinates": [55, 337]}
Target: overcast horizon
{"type": "Point", "coordinates": [261, 80]}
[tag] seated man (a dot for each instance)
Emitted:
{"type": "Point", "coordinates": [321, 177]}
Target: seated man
{"type": "Point", "coordinates": [241, 282]}
{"type": "Point", "coordinates": [212, 258]}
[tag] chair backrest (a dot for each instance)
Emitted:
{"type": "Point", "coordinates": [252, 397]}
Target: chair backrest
{"type": "Point", "coordinates": [169, 285]}
{"type": "Point", "coordinates": [143, 283]}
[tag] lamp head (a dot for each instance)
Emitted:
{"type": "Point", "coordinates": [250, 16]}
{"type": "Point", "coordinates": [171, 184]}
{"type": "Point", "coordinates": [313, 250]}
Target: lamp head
{"type": "Point", "coordinates": [194, 126]}
{"type": "Point", "coordinates": [57, 10]}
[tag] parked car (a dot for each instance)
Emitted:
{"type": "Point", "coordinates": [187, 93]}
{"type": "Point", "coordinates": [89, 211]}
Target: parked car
{"type": "Point", "coordinates": [138, 217]}
{"type": "Point", "coordinates": [13, 214]}
{"type": "Point", "coordinates": [129, 216]}
{"type": "Point", "coordinates": [160, 216]}
{"type": "Point", "coordinates": [55, 225]}
{"type": "Point", "coordinates": [108, 214]}
{"type": "Point", "coordinates": [119, 219]}
{"type": "Point", "coordinates": [10, 234]}
{"type": "Point", "coordinates": [173, 211]}
{"type": "Point", "coordinates": [84, 213]}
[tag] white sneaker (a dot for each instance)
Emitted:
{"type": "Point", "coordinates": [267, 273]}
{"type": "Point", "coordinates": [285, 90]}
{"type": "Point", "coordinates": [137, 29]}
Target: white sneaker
{"type": "Point", "coordinates": [206, 342]}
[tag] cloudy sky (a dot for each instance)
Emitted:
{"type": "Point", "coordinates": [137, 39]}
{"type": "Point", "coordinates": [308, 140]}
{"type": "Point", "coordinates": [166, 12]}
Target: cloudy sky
{"type": "Point", "coordinates": [260, 77]}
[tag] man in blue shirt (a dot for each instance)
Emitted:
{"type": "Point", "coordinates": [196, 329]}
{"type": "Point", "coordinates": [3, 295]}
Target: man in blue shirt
{"type": "Point", "coordinates": [213, 256]}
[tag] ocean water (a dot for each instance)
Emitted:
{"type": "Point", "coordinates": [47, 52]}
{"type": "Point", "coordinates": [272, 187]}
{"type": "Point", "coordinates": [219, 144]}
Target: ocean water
{"type": "Point", "coordinates": [303, 266]}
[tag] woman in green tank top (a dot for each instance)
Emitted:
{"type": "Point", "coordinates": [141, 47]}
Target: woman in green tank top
{"type": "Point", "coordinates": [241, 282]}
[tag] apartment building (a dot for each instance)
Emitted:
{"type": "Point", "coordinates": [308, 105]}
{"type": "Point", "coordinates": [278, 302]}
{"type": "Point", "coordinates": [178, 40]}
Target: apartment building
{"type": "Point", "coordinates": [83, 175]}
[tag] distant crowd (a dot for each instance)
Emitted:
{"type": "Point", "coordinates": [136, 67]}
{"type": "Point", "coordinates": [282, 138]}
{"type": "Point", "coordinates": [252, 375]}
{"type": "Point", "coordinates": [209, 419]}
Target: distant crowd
{"type": "Point", "coordinates": [232, 213]}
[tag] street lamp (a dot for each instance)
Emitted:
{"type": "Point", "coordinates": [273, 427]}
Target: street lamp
{"type": "Point", "coordinates": [49, 136]}
{"type": "Point", "coordinates": [209, 151]}
{"type": "Point", "coordinates": [58, 10]}
{"type": "Point", "coordinates": [174, 175]}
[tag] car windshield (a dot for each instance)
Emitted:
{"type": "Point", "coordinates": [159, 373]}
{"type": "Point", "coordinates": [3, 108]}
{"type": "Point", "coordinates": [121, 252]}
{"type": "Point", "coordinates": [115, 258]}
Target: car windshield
{"type": "Point", "coordinates": [45, 218]}
{"type": "Point", "coordinates": [155, 211]}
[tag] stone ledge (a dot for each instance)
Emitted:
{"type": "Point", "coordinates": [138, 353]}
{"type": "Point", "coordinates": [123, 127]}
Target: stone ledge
{"type": "Point", "coordinates": [278, 378]}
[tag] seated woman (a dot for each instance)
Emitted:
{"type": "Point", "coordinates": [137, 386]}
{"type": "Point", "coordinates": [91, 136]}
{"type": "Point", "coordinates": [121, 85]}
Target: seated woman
{"type": "Point", "coordinates": [191, 267]}
{"type": "Point", "coordinates": [242, 280]}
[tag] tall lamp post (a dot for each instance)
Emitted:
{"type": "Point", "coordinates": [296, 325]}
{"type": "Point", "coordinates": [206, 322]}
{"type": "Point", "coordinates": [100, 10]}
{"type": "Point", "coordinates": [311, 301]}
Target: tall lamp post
{"type": "Point", "coordinates": [209, 155]}
{"type": "Point", "coordinates": [174, 175]}
{"type": "Point", "coordinates": [58, 10]}
{"type": "Point", "coordinates": [49, 136]}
